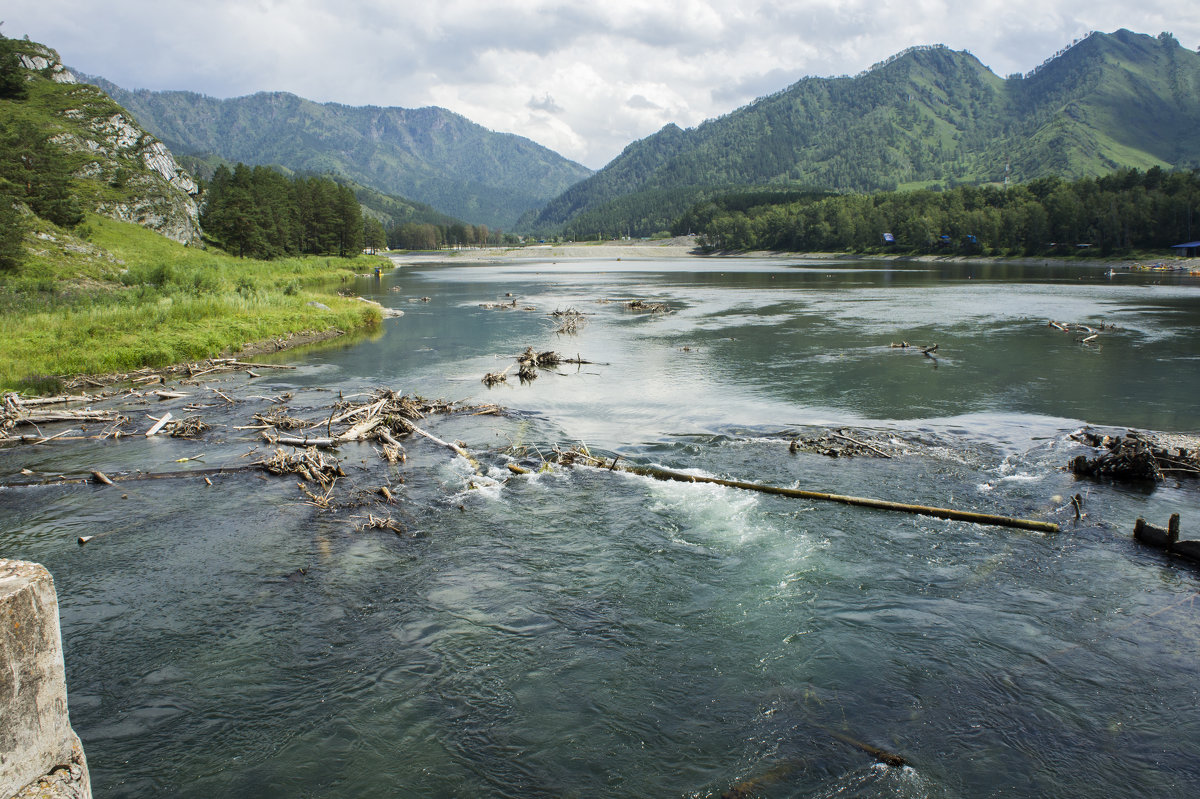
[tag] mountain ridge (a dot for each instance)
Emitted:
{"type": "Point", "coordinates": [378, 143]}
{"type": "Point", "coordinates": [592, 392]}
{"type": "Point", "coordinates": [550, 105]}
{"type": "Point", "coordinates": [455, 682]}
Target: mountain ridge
{"type": "Point", "coordinates": [430, 155]}
{"type": "Point", "coordinates": [928, 116]}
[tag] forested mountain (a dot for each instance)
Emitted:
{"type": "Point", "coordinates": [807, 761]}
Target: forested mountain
{"type": "Point", "coordinates": [927, 117]}
{"type": "Point", "coordinates": [430, 155]}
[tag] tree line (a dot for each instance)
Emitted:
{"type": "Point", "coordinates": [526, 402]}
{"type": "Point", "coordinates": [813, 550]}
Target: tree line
{"type": "Point", "coordinates": [427, 236]}
{"type": "Point", "coordinates": [1126, 211]}
{"type": "Point", "coordinates": [257, 212]}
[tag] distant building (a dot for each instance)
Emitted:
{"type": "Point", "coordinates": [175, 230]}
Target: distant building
{"type": "Point", "coordinates": [1189, 250]}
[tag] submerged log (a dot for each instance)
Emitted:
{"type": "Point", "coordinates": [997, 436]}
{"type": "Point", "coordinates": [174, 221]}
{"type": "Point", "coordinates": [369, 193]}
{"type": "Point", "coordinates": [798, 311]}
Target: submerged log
{"type": "Point", "coordinates": [866, 502]}
{"type": "Point", "coordinates": [1166, 539]}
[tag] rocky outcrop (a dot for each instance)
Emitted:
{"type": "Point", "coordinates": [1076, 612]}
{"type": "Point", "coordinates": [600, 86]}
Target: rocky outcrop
{"type": "Point", "coordinates": [40, 755]}
{"type": "Point", "coordinates": [145, 185]}
{"type": "Point", "coordinates": [43, 59]}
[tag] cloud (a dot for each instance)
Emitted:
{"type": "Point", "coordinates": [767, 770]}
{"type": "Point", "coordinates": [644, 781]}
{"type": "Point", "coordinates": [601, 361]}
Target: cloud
{"type": "Point", "coordinates": [583, 79]}
{"type": "Point", "coordinates": [639, 102]}
{"type": "Point", "coordinates": [546, 104]}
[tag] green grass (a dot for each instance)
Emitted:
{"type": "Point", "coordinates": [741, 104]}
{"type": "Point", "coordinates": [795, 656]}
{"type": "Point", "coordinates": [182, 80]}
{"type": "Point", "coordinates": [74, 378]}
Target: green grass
{"type": "Point", "coordinates": [128, 298]}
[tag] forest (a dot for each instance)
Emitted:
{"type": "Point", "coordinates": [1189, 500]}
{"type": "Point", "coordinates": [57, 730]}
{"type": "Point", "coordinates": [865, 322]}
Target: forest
{"type": "Point", "coordinates": [1124, 212]}
{"type": "Point", "coordinates": [256, 212]}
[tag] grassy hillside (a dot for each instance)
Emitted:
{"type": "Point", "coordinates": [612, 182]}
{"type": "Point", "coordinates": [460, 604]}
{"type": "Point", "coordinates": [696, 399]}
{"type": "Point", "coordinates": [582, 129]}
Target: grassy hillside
{"type": "Point", "coordinates": [928, 117]}
{"type": "Point", "coordinates": [431, 155]}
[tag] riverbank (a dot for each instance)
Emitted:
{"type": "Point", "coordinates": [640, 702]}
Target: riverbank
{"type": "Point", "coordinates": [124, 299]}
{"type": "Point", "coordinates": [686, 246]}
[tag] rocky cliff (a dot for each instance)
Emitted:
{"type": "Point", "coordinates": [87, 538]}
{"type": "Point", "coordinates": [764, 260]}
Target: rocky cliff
{"type": "Point", "coordinates": [121, 170]}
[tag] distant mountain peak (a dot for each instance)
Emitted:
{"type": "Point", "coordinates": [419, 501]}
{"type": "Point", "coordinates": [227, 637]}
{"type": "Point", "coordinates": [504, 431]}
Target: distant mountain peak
{"type": "Point", "coordinates": [926, 116]}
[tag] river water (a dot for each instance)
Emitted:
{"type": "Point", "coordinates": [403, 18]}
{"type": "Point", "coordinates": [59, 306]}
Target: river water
{"type": "Point", "coordinates": [587, 633]}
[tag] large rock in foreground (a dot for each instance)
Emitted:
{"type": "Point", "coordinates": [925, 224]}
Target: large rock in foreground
{"type": "Point", "coordinates": [40, 755]}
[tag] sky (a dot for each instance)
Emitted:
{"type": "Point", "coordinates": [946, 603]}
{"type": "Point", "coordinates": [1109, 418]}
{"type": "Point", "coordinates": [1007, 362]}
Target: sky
{"type": "Point", "coordinates": [582, 78]}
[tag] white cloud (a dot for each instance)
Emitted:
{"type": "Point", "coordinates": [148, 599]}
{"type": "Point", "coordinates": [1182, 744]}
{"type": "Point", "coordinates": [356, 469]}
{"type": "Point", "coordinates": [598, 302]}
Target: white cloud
{"type": "Point", "coordinates": [584, 79]}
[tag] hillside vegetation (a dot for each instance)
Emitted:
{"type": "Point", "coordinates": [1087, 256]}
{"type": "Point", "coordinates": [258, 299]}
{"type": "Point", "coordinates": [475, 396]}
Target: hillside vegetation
{"type": "Point", "coordinates": [929, 117]}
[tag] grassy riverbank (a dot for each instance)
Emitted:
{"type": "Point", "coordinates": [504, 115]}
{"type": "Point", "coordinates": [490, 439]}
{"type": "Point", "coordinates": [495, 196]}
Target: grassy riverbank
{"type": "Point", "coordinates": [122, 298]}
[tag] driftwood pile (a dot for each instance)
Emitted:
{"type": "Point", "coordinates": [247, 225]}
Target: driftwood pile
{"type": "Point", "coordinates": [569, 321]}
{"type": "Point", "coordinates": [24, 412]}
{"type": "Point", "coordinates": [1090, 332]}
{"type": "Point", "coordinates": [1133, 457]}
{"type": "Point", "coordinates": [641, 306]}
{"type": "Point", "coordinates": [309, 463]}
{"type": "Point", "coordinates": [836, 444]}
{"type": "Point", "coordinates": [528, 365]}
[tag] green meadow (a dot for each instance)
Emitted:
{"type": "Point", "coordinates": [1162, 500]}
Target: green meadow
{"type": "Point", "coordinates": [115, 297]}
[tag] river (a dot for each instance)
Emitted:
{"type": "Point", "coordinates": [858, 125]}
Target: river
{"type": "Point", "coordinates": [585, 633]}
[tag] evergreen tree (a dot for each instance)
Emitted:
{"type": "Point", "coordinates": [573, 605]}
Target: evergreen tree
{"type": "Point", "coordinates": [374, 236]}
{"type": "Point", "coordinates": [40, 171]}
{"type": "Point", "coordinates": [12, 75]}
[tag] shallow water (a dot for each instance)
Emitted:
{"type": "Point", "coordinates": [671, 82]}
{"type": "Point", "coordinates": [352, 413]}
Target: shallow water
{"type": "Point", "coordinates": [589, 633]}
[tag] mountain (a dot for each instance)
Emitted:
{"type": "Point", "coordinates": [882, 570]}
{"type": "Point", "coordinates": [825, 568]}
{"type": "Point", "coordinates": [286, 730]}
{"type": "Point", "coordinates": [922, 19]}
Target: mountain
{"type": "Point", "coordinates": [66, 147]}
{"type": "Point", "coordinates": [926, 117]}
{"type": "Point", "coordinates": [430, 155]}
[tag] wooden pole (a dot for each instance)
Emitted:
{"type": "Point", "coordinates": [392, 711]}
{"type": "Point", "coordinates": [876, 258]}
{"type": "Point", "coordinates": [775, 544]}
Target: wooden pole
{"type": "Point", "coordinates": [880, 504]}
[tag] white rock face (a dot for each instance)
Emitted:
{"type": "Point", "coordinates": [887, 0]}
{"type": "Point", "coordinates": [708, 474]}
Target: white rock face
{"type": "Point", "coordinates": [58, 73]}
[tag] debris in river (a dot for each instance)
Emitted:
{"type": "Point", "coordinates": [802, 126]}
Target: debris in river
{"type": "Point", "coordinates": [569, 321]}
{"type": "Point", "coordinates": [187, 427]}
{"type": "Point", "coordinates": [158, 425]}
{"type": "Point", "coordinates": [188, 371]}
{"type": "Point", "coordinates": [836, 444]}
{"type": "Point", "coordinates": [278, 418]}
{"type": "Point", "coordinates": [927, 351]}
{"type": "Point", "coordinates": [309, 464]}
{"type": "Point", "coordinates": [19, 411]}
{"type": "Point", "coordinates": [374, 522]}
{"type": "Point", "coordinates": [1134, 456]}
{"type": "Point", "coordinates": [1167, 539]}
{"type": "Point", "coordinates": [571, 457]}
{"type": "Point", "coordinates": [641, 306]}
{"type": "Point", "coordinates": [492, 378]}
{"type": "Point", "coordinates": [1093, 332]}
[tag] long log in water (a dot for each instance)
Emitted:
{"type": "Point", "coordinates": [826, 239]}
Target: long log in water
{"type": "Point", "coordinates": [866, 502]}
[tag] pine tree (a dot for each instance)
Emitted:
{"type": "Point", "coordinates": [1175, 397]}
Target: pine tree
{"type": "Point", "coordinates": [12, 75]}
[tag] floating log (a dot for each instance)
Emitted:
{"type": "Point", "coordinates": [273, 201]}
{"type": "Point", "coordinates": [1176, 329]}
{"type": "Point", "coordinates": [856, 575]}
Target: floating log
{"type": "Point", "coordinates": [866, 502]}
{"type": "Point", "coordinates": [159, 425]}
{"type": "Point", "coordinates": [302, 441]}
{"type": "Point", "coordinates": [42, 417]}
{"type": "Point", "coordinates": [27, 402]}
{"type": "Point", "coordinates": [58, 480]}
{"type": "Point", "coordinates": [455, 448]}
